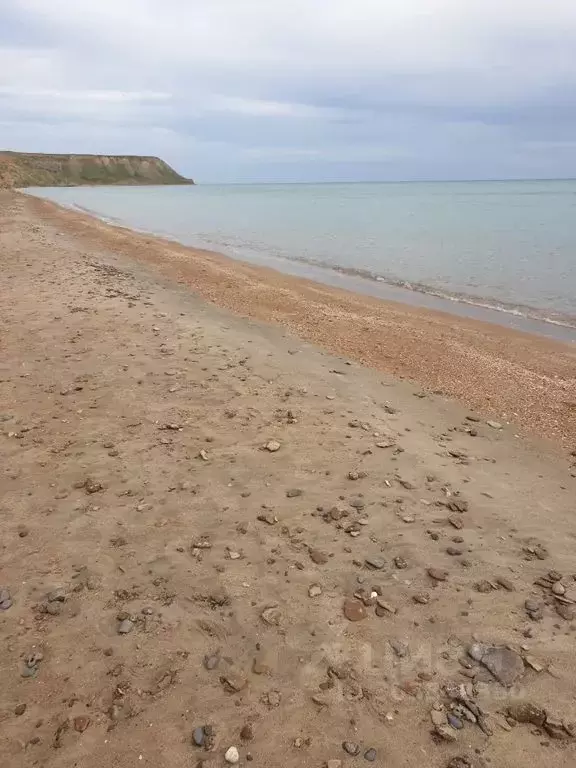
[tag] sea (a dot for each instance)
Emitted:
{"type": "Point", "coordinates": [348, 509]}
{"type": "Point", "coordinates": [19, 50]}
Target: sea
{"type": "Point", "coordinates": [502, 251]}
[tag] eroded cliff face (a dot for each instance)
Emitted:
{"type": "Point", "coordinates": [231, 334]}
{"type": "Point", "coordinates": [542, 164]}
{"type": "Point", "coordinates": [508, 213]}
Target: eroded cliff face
{"type": "Point", "coordinates": [23, 169]}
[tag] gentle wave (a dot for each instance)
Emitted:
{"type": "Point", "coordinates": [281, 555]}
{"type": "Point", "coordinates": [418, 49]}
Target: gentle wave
{"type": "Point", "coordinates": [518, 310]}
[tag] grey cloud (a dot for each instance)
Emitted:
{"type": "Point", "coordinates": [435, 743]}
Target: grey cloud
{"type": "Point", "coordinates": [262, 90]}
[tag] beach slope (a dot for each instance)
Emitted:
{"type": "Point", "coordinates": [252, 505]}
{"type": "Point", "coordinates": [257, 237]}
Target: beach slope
{"type": "Point", "coordinates": [217, 534]}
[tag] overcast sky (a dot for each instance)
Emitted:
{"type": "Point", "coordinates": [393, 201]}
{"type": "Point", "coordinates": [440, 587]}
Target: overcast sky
{"type": "Point", "coordinates": [298, 90]}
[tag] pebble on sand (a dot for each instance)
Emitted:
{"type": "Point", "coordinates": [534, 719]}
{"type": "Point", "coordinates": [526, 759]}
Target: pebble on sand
{"type": "Point", "coordinates": [125, 626]}
{"type": "Point", "coordinates": [437, 574]}
{"type": "Point", "coordinates": [351, 748]}
{"type": "Point", "coordinates": [198, 736]}
{"type": "Point", "coordinates": [354, 610]}
{"type": "Point", "coordinates": [232, 756]}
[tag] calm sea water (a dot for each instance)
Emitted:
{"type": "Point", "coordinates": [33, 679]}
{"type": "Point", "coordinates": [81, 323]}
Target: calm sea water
{"type": "Point", "coordinates": [508, 246]}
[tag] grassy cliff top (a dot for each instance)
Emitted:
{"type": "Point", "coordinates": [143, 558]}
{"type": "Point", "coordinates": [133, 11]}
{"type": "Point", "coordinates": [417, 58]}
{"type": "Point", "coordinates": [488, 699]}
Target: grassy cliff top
{"type": "Point", "coordinates": [33, 169]}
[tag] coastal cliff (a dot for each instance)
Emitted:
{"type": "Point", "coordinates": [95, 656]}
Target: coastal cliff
{"type": "Point", "coordinates": [24, 169]}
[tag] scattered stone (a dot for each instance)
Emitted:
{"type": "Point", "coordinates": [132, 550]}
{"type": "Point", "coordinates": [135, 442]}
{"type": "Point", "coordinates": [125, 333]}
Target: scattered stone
{"type": "Point", "coordinates": [19, 709]}
{"type": "Point", "coordinates": [125, 627]}
{"type": "Point", "coordinates": [456, 522]}
{"type": "Point", "coordinates": [211, 662]}
{"type": "Point", "coordinates": [5, 599]}
{"type": "Point", "coordinates": [458, 505]}
{"type": "Point", "coordinates": [233, 682]}
{"type": "Point", "coordinates": [354, 610]}
{"type": "Point", "coordinates": [198, 736]}
{"type": "Point", "coordinates": [376, 563]}
{"type": "Point", "coordinates": [92, 486]}
{"type": "Point", "coordinates": [533, 664]}
{"type": "Point", "coordinates": [268, 518]}
{"type": "Point", "coordinates": [437, 574]}
{"type": "Point", "coordinates": [555, 728]}
{"type": "Point", "coordinates": [460, 762]}
{"type": "Point", "coordinates": [384, 608]}
{"type": "Point", "coordinates": [399, 648]}
{"type": "Point", "coordinates": [23, 531]}
{"type": "Point", "coordinates": [232, 755]}
{"type": "Point", "coordinates": [455, 722]}
{"type": "Point", "coordinates": [422, 598]}
{"type": "Point", "coordinates": [31, 663]}
{"type": "Point", "coordinates": [506, 584]}
{"type": "Point", "coordinates": [370, 755]}
{"type": "Point", "coordinates": [438, 717]}
{"type": "Point", "coordinates": [534, 609]}
{"type": "Point", "coordinates": [57, 595]}
{"type": "Point", "coordinates": [484, 587]}
{"type": "Point", "coordinates": [52, 609]}
{"type": "Point", "coordinates": [558, 588]}
{"type": "Point", "coordinates": [81, 723]}
{"type": "Point", "coordinates": [272, 446]}
{"type": "Point", "coordinates": [445, 733]}
{"type": "Point", "coordinates": [494, 424]}
{"type": "Point", "coordinates": [273, 699]}
{"type": "Point", "coordinates": [203, 455]}
{"type": "Point", "coordinates": [400, 563]}
{"type": "Point", "coordinates": [314, 590]}
{"type": "Point", "coordinates": [351, 748]}
{"type": "Point", "coordinates": [526, 712]}
{"type": "Point", "coordinates": [29, 672]}
{"type": "Point", "coordinates": [293, 493]}
{"type": "Point", "coordinates": [247, 732]}
{"type": "Point", "coordinates": [506, 665]}
{"type": "Point", "coordinates": [271, 616]}
{"type": "Point", "coordinates": [318, 557]}
{"type": "Point", "coordinates": [454, 551]}
{"type": "Point", "coordinates": [537, 551]}
{"type": "Point", "coordinates": [565, 611]}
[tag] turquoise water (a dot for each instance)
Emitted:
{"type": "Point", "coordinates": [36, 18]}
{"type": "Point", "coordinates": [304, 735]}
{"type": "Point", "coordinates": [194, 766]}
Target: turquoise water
{"type": "Point", "coordinates": [509, 246]}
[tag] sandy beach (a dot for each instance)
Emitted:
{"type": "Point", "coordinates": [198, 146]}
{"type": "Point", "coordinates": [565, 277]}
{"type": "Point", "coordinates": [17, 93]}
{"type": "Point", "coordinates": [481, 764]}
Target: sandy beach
{"type": "Point", "coordinates": [244, 511]}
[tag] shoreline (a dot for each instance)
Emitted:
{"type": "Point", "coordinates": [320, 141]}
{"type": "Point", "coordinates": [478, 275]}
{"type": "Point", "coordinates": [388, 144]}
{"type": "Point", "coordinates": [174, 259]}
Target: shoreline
{"type": "Point", "coordinates": [508, 374]}
{"type": "Point", "coordinates": [548, 322]}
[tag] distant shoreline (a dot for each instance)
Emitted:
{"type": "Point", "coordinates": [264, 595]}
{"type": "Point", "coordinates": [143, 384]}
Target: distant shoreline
{"type": "Point", "coordinates": [514, 376]}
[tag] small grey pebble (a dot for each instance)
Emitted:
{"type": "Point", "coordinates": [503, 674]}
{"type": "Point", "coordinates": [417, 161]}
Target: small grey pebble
{"type": "Point", "coordinates": [370, 755]}
{"type": "Point", "coordinates": [455, 722]}
{"type": "Point", "coordinates": [198, 737]}
{"type": "Point", "coordinates": [57, 595]}
{"type": "Point", "coordinates": [29, 672]}
{"type": "Point", "coordinates": [125, 627]}
{"type": "Point", "coordinates": [5, 599]}
{"type": "Point", "coordinates": [351, 748]}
